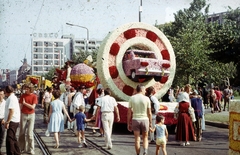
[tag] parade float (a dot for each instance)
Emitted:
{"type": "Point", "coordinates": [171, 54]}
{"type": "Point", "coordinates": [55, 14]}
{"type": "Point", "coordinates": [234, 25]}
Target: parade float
{"type": "Point", "coordinates": [137, 53]}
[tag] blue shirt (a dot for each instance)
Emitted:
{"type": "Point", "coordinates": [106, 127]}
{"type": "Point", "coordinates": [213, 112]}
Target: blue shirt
{"type": "Point", "coordinates": [197, 106]}
{"type": "Point", "coordinates": [80, 117]}
{"type": "Point", "coordinates": [160, 131]}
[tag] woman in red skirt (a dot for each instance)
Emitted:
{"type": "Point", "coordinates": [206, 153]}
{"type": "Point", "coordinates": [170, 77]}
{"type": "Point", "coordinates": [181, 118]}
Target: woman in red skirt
{"type": "Point", "coordinates": [185, 130]}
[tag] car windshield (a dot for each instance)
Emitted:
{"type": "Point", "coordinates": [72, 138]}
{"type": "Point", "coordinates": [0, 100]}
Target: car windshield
{"type": "Point", "coordinates": [139, 54]}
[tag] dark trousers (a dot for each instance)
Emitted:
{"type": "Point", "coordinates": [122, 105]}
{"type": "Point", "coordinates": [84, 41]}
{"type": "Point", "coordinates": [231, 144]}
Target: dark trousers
{"type": "Point", "coordinates": [2, 133]}
{"type": "Point", "coordinates": [198, 128]}
{"type": "Point", "coordinates": [12, 146]}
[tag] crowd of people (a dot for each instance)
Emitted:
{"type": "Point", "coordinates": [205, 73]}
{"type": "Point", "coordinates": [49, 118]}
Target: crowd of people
{"type": "Point", "coordinates": [73, 108]}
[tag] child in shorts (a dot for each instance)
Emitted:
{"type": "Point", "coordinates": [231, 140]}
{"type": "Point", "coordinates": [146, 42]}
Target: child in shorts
{"type": "Point", "coordinates": [80, 118]}
{"type": "Point", "coordinates": [161, 134]}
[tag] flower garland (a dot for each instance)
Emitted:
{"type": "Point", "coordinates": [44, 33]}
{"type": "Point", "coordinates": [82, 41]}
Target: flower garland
{"type": "Point", "coordinates": [111, 53]}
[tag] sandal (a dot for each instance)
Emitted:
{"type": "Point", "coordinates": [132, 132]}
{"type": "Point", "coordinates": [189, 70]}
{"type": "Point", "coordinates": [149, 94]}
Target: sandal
{"type": "Point", "coordinates": [56, 146]}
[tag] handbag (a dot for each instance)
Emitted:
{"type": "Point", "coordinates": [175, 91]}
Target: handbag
{"type": "Point", "coordinates": [176, 111]}
{"type": "Point", "coordinates": [47, 133]}
{"type": "Point", "coordinates": [191, 113]}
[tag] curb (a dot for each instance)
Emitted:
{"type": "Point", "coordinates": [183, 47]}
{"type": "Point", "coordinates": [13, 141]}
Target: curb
{"type": "Point", "coordinates": [216, 124]}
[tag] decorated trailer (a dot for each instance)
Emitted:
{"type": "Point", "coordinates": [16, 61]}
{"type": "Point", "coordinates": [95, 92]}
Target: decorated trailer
{"type": "Point", "coordinates": [134, 53]}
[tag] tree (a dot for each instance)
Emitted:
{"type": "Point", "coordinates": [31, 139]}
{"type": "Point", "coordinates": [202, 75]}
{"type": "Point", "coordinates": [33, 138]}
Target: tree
{"type": "Point", "coordinates": [82, 55]}
{"type": "Point", "coordinates": [225, 41]}
{"type": "Point", "coordinates": [50, 74]}
{"type": "Point", "coordinates": [77, 58]}
{"type": "Point", "coordinates": [190, 38]}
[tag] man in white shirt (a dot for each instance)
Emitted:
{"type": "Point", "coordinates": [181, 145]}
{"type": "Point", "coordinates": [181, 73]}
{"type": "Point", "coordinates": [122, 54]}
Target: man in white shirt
{"type": "Point", "coordinates": [47, 98]}
{"type": "Point", "coordinates": [108, 105]}
{"type": "Point", "coordinates": [77, 101]}
{"type": "Point", "coordinates": [2, 110]}
{"type": "Point", "coordinates": [11, 119]}
{"type": "Point", "coordinates": [64, 98]}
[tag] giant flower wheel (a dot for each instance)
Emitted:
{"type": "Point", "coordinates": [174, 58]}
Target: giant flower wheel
{"type": "Point", "coordinates": [111, 52]}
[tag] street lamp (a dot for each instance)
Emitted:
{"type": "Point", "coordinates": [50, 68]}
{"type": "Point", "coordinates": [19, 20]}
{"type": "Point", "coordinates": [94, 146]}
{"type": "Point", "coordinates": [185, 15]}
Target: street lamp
{"type": "Point", "coordinates": [84, 28]}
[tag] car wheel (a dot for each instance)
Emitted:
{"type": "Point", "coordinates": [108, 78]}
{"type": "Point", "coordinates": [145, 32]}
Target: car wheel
{"type": "Point", "coordinates": [134, 77]}
{"type": "Point", "coordinates": [157, 78]}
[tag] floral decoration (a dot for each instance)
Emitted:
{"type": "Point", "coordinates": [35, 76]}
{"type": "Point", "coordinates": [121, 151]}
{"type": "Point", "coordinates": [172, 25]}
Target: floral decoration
{"type": "Point", "coordinates": [165, 65]}
{"type": "Point", "coordinates": [165, 55]}
{"type": "Point", "coordinates": [113, 72]}
{"type": "Point", "coordinates": [34, 80]}
{"type": "Point", "coordinates": [151, 36]}
{"type": "Point", "coordinates": [131, 33]}
{"type": "Point", "coordinates": [164, 79]}
{"type": "Point", "coordinates": [128, 90]}
{"type": "Point", "coordinates": [114, 49]}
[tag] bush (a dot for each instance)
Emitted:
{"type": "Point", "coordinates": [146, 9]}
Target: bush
{"type": "Point", "coordinates": [235, 93]}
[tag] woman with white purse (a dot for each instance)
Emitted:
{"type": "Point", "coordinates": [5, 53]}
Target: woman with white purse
{"type": "Point", "coordinates": [185, 130]}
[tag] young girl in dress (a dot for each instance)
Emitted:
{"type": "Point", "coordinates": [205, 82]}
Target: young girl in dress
{"type": "Point", "coordinates": [161, 134]}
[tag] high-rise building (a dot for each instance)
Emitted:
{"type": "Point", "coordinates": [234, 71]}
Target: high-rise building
{"type": "Point", "coordinates": [54, 52]}
{"type": "Point", "coordinates": [78, 44]}
{"type": "Point", "coordinates": [48, 53]}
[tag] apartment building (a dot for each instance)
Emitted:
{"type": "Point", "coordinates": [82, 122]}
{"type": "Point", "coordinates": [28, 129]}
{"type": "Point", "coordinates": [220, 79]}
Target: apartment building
{"type": "Point", "coordinates": [216, 17]}
{"type": "Point", "coordinates": [78, 44]}
{"type": "Point", "coordinates": [48, 53]}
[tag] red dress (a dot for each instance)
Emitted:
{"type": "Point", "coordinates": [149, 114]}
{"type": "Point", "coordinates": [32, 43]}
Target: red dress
{"type": "Point", "coordinates": [185, 130]}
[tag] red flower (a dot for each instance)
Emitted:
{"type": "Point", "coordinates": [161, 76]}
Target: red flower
{"type": "Point", "coordinates": [165, 55]}
{"type": "Point", "coordinates": [164, 79]}
{"type": "Point", "coordinates": [34, 81]}
{"type": "Point", "coordinates": [151, 36]}
{"type": "Point", "coordinates": [131, 33]}
{"type": "Point", "coordinates": [128, 90]}
{"type": "Point", "coordinates": [113, 72]}
{"type": "Point", "coordinates": [165, 65]}
{"type": "Point", "coordinates": [141, 80]}
{"type": "Point", "coordinates": [114, 49]}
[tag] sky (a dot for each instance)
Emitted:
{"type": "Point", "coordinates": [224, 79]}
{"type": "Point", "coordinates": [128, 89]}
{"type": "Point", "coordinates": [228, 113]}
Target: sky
{"type": "Point", "coordinates": [20, 19]}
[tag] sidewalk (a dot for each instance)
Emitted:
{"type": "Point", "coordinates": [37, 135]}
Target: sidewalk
{"type": "Point", "coordinates": [216, 123]}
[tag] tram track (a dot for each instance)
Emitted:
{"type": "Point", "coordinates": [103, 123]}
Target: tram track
{"type": "Point", "coordinates": [99, 148]}
{"type": "Point", "coordinates": [44, 148]}
{"type": "Point", "coordinates": [42, 145]}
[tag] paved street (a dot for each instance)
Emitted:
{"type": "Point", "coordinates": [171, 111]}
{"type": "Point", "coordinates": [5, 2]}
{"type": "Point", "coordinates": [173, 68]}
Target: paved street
{"type": "Point", "coordinates": [215, 141]}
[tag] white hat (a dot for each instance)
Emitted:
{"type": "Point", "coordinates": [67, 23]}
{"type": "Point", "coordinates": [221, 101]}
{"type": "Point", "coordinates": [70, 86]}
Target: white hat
{"type": "Point", "coordinates": [99, 86]}
{"type": "Point", "coordinates": [183, 96]}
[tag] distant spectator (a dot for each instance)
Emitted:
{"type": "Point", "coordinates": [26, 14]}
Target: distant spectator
{"type": "Point", "coordinates": [165, 97]}
{"type": "Point", "coordinates": [226, 97]}
{"type": "Point", "coordinates": [219, 97]}
{"type": "Point", "coordinates": [47, 98]}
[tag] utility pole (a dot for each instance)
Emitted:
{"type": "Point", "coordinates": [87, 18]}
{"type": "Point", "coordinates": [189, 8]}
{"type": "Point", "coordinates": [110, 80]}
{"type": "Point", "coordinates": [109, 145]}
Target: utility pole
{"type": "Point", "coordinates": [140, 10]}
